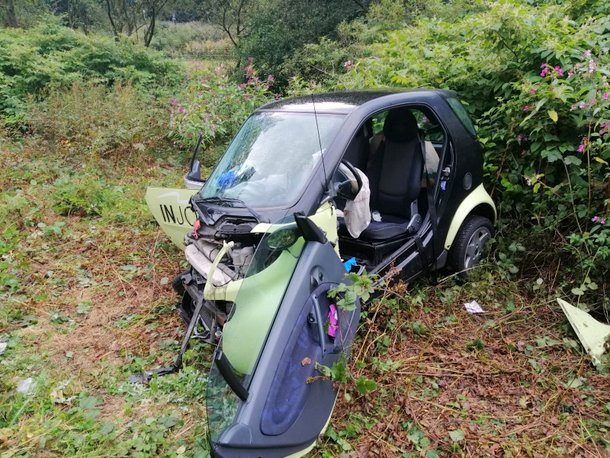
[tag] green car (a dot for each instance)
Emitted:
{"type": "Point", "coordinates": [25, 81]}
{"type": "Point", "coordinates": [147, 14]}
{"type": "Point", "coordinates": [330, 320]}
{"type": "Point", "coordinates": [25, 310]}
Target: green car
{"type": "Point", "coordinates": [309, 189]}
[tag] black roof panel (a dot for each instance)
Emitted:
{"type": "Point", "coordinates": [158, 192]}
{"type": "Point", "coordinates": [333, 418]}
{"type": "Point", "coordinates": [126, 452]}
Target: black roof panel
{"type": "Point", "coordinates": [346, 102]}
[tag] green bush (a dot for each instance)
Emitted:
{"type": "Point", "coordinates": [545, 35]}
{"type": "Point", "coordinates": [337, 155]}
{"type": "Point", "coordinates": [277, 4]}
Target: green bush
{"type": "Point", "coordinates": [535, 78]}
{"type": "Point", "coordinates": [53, 56]}
{"type": "Point", "coordinates": [81, 195]}
{"type": "Point", "coordinates": [214, 106]}
{"type": "Point", "coordinates": [93, 119]}
{"type": "Point", "coordinates": [192, 39]}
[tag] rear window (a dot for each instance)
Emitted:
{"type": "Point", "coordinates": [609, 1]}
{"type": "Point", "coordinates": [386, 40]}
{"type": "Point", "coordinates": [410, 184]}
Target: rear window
{"type": "Point", "coordinates": [461, 113]}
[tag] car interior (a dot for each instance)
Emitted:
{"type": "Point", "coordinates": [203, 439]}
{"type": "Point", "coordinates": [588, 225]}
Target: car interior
{"type": "Point", "coordinates": [398, 150]}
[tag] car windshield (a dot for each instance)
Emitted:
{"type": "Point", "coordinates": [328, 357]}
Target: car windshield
{"type": "Point", "coordinates": [271, 159]}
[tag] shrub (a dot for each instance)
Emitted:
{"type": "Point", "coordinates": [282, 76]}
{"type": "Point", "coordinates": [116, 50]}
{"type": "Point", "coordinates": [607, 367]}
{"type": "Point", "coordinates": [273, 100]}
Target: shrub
{"type": "Point", "coordinates": [83, 195]}
{"type": "Point", "coordinates": [213, 105]}
{"type": "Point", "coordinates": [535, 78]}
{"type": "Point", "coordinates": [92, 119]}
{"type": "Point", "coordinates": [52, 56]}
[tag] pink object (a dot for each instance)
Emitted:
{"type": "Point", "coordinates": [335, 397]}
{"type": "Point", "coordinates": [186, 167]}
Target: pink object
{"type": "Point", "coordinates": [333, 320]}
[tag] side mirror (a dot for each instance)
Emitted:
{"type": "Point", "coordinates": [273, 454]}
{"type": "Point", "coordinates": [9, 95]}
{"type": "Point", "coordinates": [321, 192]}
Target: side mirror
{"type": "Point", "coordinates": [195, 171]}
{"type": "Point", "coordinates": [192, 180]}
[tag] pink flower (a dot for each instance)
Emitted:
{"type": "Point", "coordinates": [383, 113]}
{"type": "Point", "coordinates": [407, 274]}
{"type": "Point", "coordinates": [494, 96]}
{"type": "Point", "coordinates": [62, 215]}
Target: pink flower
{"type": "Point", "coordinates": [592, 66]}
{"type": "Point", "coordinates": [602, 221]}
{"type": "Point", "coordinates": [605, 96]}
{"type": "Point", "coordinates": [587, 53]}
{"type": "Point", "coordinates": [570, 74]}
{"type": "Point", "coordinates": [526, 108]}
{"type": "Point", "coordinates": [533, 90]}
{"type": "Point", "coordinates": [595, 219]}
{"type": "Point", "coordinates": [270, 78]}
{"type": "Point", "coordinates": [559, 70]}
{"type": "Point", "coordinates": [581, 148]}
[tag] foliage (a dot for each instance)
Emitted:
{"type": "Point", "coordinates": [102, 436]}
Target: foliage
{"type": "Point", "coordinates": [54, 56]}
{"type": "Point", "coordinates": [192, 39]}
{"type": "Point", "coordinates": [213, 105]}
{"type": "Point", "coordinates": [277, 28]}
{"type": "Point", "coordinates": [538, 90]}
{"type": "Point", "coordinates": [359, 287]}
{"type": "Point", "coordinates": [92, 119]}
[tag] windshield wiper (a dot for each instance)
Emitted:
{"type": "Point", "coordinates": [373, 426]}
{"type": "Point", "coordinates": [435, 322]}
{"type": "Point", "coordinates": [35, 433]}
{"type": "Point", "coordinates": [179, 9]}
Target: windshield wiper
{"type": "Point", "coordinates": [231, 202]}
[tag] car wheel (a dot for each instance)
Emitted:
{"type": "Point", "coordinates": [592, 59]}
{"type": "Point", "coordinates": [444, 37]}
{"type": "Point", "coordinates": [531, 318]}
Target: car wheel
{"type": "Point", "coordinates": [469, 244]}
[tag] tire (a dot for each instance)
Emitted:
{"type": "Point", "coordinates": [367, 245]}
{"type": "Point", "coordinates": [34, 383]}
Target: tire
{"type": "Point", "coordinates": [469, 244]}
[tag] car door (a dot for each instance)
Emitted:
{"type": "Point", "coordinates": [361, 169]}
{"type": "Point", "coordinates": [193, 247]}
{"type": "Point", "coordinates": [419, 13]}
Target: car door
{"type": "Point", "coordinates": [265, 394]}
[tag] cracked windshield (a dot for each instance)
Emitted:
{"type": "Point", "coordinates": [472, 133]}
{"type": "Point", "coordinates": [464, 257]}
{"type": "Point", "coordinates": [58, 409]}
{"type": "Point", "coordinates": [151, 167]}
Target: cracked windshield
{"type": "Point", "coordinates": [272, 158]}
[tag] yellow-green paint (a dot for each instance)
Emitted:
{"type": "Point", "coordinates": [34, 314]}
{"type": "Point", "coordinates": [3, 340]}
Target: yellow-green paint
{"type": "Point", "coordinates": [255, 308]}
{"type": "Point", "coordinates": [170, 207]}
{"type": "Point", "coordinates": [478, 196]}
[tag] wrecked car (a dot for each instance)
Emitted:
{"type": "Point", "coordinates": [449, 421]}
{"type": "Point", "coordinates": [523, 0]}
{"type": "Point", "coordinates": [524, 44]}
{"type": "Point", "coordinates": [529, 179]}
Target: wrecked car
{"type": "Point", "coordinates": [309, 189]}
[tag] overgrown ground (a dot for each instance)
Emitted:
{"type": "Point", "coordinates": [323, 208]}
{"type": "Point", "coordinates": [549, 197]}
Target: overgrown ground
{"type": "Point", "coordinates": [86, 301]}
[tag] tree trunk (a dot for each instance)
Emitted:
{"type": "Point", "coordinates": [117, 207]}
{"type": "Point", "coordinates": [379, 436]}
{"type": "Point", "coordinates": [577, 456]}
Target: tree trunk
{"type": "Point", "coordinates": [9, 10]}
{"type": "Point", "coordinates": [150, 31]}
{"type": "Point", "coordinates": [113, 25]}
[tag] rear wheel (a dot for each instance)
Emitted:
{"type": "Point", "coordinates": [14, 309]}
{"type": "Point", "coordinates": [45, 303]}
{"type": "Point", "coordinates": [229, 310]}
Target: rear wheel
{"type": "Point", "coordinates": [469, 244]}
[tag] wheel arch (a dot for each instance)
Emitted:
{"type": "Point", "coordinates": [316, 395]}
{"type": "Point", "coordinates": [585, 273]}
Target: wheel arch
{"type": "Point", "coordinates": [478, 202]}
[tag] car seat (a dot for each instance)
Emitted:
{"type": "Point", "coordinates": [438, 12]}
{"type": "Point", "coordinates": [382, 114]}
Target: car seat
{"type": "Point", "coordinates": [395, 176]}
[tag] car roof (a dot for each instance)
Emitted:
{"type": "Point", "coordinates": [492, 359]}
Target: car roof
{"type": "Point", "coordinates": [347, 101]}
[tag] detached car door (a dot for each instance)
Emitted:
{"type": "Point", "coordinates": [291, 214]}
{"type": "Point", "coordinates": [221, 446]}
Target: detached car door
{"type": "Point", "coordinates": [265, 395]}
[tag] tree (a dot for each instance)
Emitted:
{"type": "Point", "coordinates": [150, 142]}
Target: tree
{"type": "Point", "coordinates": [230, 15]}
{"type": "Point", "coordinates": [10, 18]}
{"type": "Point", "coordinates": [129, 16]}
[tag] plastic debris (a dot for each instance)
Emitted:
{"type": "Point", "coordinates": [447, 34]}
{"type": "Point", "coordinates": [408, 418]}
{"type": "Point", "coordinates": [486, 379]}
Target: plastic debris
{"type": "Point", "coordinates": [349, 264]}
{"type": "Point", "coordinates": [473, 307]}
{"type": "Point", "coordinates": [26, 386]}
{"type": "Point", "coordinates": [3, 346]}
{"type": "Point", "coordinates": [333, 320]}
{"type": "Point", "coordinates": [593, 335]}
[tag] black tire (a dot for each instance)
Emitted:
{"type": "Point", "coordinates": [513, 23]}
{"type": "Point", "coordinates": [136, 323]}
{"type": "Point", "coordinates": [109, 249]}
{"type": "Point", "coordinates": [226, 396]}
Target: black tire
{"type": "Point", "coordinates": [469, 244]}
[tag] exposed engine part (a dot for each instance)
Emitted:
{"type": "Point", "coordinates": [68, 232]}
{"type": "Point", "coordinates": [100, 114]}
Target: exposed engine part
{"type": "Point", "coordinates": [241, 259]}
{"type": "Point", "coordinates": [203, 264]}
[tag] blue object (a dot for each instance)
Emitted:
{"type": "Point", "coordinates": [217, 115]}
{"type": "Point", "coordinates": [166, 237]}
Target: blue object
{"type": "Point", "coordinates": [227, 179]}
{"type": "Point", "coordinates": [349, 264]}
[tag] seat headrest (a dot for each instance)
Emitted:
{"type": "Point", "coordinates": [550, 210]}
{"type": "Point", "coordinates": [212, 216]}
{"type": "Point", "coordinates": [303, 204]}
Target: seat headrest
{"type": "Point", "coordinates": [400, 125]}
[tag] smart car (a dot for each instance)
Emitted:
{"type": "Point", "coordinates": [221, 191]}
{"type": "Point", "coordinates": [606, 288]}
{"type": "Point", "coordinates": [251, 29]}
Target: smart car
{"type": "Point", "coordinates": [312, 188]}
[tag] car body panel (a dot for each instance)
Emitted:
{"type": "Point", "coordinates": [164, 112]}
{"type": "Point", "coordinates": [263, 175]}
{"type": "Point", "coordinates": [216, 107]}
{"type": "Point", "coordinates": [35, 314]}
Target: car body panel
{"type": "Point", "coordinates": [171, 209]}
{"type": "Point", "coordinates": [478, 196]}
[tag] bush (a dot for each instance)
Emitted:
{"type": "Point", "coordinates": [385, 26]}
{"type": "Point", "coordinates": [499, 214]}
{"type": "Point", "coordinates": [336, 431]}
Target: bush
{"type": "Point", "coordinates": [52, 56]}
{"type": "Point", "coordinates": [214, 106]}
{"type": "Point", "coordinates": [82, 195]}
{"type": "Point", "coordinates": [535, 79]}
{"type": "Point", "coordinates": [192, 39]}
{"type": "Point", "coordinates": [92, 119]}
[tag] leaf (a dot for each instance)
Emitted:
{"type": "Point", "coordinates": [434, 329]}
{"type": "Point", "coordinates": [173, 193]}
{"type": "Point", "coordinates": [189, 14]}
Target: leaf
{"type": "Point", "coordinates": [572, 160]}
{"type": "Point", "coordinates": [553, 115]}
{"type": "Point", "coordinates": [457, 435]}
{"type": "Point", "coordinates": [600, 160]}
{"type": "Point", "coordinates": [364, 385]}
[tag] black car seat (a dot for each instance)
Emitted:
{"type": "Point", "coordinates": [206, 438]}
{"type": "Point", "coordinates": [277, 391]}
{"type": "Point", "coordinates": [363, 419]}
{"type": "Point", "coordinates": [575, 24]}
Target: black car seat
{"type": "Point", "coordinates": [357, 152]}
{"type": "Point", "coordinates": [395, 176]}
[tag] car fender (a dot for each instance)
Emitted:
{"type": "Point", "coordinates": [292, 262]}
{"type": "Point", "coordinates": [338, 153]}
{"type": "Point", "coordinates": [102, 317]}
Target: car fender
{"type": "Point", "coordinates": [478, 197]}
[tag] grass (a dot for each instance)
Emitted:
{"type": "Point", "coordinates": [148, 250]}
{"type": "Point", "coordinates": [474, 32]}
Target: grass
{"type": "Point", "coordinates": [85, 302]}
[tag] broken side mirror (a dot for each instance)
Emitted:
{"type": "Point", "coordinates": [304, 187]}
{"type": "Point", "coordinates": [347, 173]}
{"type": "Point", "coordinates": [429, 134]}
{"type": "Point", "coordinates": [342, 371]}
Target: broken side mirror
{"type": "Point", "coordinates": [192, 179]}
